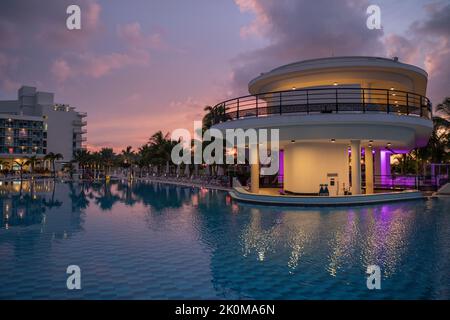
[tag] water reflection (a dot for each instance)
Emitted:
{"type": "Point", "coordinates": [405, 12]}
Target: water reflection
{"type": "Point", "coordinates": [250, 251]}
{"type": "Point", "coordinates": [31, 202]}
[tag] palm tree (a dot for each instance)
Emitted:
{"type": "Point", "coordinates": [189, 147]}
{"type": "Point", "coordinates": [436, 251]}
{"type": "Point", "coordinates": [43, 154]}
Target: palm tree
{"type": "Point", "coordinates": [214, 115]}
{"type": "Point", "coordinates": [128, 156]}
{"type": "Point", "coordinates": [52, 157]}
{"type": "Point", "coordinates": [4, 164]}
{"type": "Point", "coordinates": [32, 162]}
{"type": "Point", "coordinates": [21, 163]}
{"type": "Point", "coordinates": [70, 168]}
{"type": "Point", "coordinates": [444, 107]}
{"type": "Point", "coordinates": [107, 158]}
{"type": "Point", "coordinates": [83, 157]}
{"type": "Point", "coordinates": [160, 148]}
{"type": "Point", "coordinates": [145, 156]}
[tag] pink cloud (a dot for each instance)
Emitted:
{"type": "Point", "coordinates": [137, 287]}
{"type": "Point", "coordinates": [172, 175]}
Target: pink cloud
{"type": "Point", "coordinates": [97, 66]}
{"type": "Point", "coordinates": [427, 45]}
{"type": "Point", "coordinates": [260, 24]}
{"type": "Point", "coordinates": [132, 34]}
{"type": "Point", "coordinates": [92, 15]}
{"type": "Point", "coordinates": [53, 31]}
{"type": "Point", "coordinates": [399, 46]}
{"type": "Point", "coordinates": [61, 70]}
{"type": "Point", "coordinates": [110, 131]}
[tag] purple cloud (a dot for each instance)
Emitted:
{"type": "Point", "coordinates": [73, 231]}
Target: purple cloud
{"type": "Point", "coordinates": [301, 29]}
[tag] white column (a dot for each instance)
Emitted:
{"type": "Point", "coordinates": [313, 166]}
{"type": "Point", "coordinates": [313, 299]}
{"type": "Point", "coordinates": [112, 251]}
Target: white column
{"type": "Point", "coordinates": [356, 166]}
{"type": "Point", "coordinates": [369, 170]}
{"type": "Point", "coordinates": [254, 169]}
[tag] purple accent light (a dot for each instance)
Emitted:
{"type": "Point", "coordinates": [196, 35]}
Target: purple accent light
{"type": "Point", "coordinates": [281, 167]}
{"type": "Point", "coordinates": [385, 166]}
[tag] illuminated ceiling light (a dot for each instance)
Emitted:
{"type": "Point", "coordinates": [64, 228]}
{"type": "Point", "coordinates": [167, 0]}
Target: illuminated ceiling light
{"type": "Point", "coordinates": [392, 88]}
{"type": "Point", "coordinates": [389, 144]}
{"type": "Point", "coordinates": [333, 140]}
{"type": "Point", "coordinates": [294, 88]}
{"type": "Point", "coordinates": [335, 84]}
{"type": "Point", "coordinates": [292, 141]}
{"type": "Point", "coordinates": [393, 94]}
{"type": "Point", "coordinates": [370, 141]}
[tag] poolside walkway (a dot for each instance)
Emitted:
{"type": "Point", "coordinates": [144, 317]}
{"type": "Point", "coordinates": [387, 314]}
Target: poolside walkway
{"type": "Point", "coordinates": [184, 183]}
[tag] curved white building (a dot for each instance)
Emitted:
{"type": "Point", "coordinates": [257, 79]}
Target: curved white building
{"type": "Point", "coordinates": [335, 115]}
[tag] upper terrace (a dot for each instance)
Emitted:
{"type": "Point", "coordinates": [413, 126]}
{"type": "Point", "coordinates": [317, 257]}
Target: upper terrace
{"type": "Point", "coordinates": [326, 100]}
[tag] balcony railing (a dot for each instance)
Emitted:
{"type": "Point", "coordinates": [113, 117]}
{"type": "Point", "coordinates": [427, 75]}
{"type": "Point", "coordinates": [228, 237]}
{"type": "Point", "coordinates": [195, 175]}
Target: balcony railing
{"type": "Point", "coordinates": [79, 123]}
{"type": "Point", "coordinates": [323, 100]}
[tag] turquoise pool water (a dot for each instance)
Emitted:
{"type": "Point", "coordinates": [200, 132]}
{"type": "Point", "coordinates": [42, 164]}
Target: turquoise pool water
{"type": "Point", "coordinates": [156, 241]}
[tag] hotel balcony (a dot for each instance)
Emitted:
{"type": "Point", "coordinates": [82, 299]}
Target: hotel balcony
{"type": "Point", "coordinates": [79, 130]}
{"type": "Point", "coordinates": [324, 101]}
{"type": "Point", "coordinates": [80, 139]}
{"type": "Point", "coordinates": [82, 114]}
{"type": "Point", "coordinates": [79, 123]}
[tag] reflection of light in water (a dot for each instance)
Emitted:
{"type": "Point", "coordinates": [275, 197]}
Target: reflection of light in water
{"type": "Point", "coordinates": [261, 256]}
{"type": "Point", "coordinates": [300, 233]}
{"type": "Point", "coordinates": [292, 230]}
{"type": "Point", "coordinates": [235, 208]}
{"type": "Point", "coordinates": [386, 241]}
{"type": "Point", "coordinates": [257, 240]}
{"type": "Point", "coordinates": [194, 199]}
{"type": "Point", "coordinates": [343, 243]}
{"type": "Point", "coordinates": [297, 243]}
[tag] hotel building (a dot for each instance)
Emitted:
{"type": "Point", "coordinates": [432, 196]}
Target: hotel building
{"type": "Point", "coordinates": [34, 125]}
{"type": "Point", "coordinates": [340, 120]}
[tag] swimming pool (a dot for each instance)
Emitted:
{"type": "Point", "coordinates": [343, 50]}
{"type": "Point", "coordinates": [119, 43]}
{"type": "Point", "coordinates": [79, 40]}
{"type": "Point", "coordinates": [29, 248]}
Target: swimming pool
{"type": "Point", "coordinates": [157, 241]}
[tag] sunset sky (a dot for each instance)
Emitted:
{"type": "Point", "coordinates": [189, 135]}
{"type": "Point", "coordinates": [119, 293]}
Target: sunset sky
{"type": "Point", "coordinates": [140, 66]}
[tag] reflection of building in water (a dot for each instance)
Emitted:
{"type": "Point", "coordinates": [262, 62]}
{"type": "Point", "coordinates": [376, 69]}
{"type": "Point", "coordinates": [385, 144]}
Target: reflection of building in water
{"type": "Point", "coordinates": [41, 203]}
{"type": "Point", "coordinates": [252, 242]}
{"type": "Point", "coordinates": [26, 186]}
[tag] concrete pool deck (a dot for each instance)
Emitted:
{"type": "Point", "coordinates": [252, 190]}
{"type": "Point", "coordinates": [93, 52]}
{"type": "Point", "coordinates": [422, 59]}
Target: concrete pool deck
{"type": "Point", "coordinates": [267, 196]}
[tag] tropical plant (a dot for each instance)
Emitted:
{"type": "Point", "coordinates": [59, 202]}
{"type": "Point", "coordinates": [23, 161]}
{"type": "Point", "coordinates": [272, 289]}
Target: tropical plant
{"type": "Point", "coordinates": [21, 163]}
{"type": "Point", "coordinates": [107, 158]}
{"type": "Point", "coordinates": [52, 157]}
{"type": "Point", "coordinates": [128, 158]}
{"type": "Point", "coordinates": [444, 107]}
{"type": "Point", "coordinates": [83, 157]}
{"type": "Point", "coordinates": [70, 168]}
{"type": "Point", "coordinates": [32, 162]}
{"type": "Point", "coordinates": [160, 148]}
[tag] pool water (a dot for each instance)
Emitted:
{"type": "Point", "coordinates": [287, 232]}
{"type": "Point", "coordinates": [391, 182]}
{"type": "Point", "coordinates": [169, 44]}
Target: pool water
{"type": "Point", "coordinates": [157, 241]}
